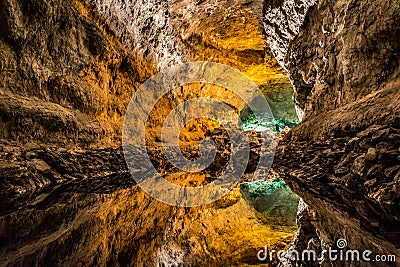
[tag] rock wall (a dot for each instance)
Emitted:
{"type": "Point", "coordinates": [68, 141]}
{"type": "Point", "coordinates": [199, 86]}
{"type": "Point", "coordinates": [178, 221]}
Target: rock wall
{"type": "Point", "coordinates": [68, 70]}
{"type": "Point", "coordinates": [344, 52]}
{"type": "Point", "coordinates": [343, 159]}
{"type": "Point", "coordinates": [282, 22]}
{"type": "Point", "coordinates": [66, 207]}
{"type": "Point", "coordinates": [144, 27]}
{"type": "Point", "coordinates": [64, 78]}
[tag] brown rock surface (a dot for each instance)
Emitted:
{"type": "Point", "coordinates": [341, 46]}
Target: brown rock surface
{"type": "Point", "coordinates": [343, 158]}
{"type": "Point", "coordinates": [69, 69]}
{"type": "Point", "coordinates": [72, 207]}
{"type": "Point", "coordinates": [63, 78]}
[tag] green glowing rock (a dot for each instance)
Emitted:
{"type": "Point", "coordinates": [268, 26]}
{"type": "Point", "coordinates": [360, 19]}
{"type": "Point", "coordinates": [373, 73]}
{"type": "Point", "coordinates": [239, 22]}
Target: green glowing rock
{"type": "Point", "coordinates": [280, 124]}
{"type": "Point", "coordinates": [263, 122]}
{"type": "Point", "coordinates": [279, 94]}
{"type": "Point", "coordinates": [263, 188]}
{"type": "Point", "coordinates": [275, 202]}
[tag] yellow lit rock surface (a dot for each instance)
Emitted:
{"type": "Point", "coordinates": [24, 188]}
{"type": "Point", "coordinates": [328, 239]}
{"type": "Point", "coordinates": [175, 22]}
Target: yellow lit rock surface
{"type": "Point", "coordinates": [69, 88]}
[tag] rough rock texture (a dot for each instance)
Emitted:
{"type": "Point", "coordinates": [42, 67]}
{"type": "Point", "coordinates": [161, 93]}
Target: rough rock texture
{"type": "Point", "coordinates": [76, 207]}
{"type": "Point", "coordinates": [62, 73]}
{"type": "Point", "coordinates": [351, 53]}
{"type": "Point", "coordinates": [144, 27]}
{"type": "Point", "coordinates": [282, 23]}
{"type": "Point", "coordinates": [343, 159]}
{"type": "Point", "coordinates": [67, 72]}
{"type": "Point", "coordinates": [68, 69]}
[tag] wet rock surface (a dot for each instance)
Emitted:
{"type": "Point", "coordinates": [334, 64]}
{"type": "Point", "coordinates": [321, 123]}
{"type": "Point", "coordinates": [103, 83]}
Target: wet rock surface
{"type": "Point", "coordinates": [353, 186]}
{"type": "Point", "coordinates": [277, 203]}
{"type": "Point", "coordinates": [346, 82]}
{"type": "Point", "coordinates": [27, 173]}
{"type": "Point", "coordinates": [67, 73]}
{"type": "Point", "coordinates": [69, 69]}
{"type": "Point", "coordinates": [77, 206]}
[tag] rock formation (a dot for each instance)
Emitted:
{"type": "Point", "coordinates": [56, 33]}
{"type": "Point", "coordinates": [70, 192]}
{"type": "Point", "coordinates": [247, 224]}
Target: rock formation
{"type": "Point", "coordinates": [68, 70]}
{"type": "Point", "coordinates": [64, 78]}
{"type": "Point", "coordinates": [69, 207]}
{"type": "Point", "coordinates": [343, 159]}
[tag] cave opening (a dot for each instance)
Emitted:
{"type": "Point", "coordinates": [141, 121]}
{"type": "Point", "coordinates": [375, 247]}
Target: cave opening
{"type": "Point", "coordinates": [261, 209]}
{"type": "Point", "coordinates": [236, 38]}
{"type": "Point", "coordinates": [232, 34]}
{"type": "Point", "coordinates": [283, 112]}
